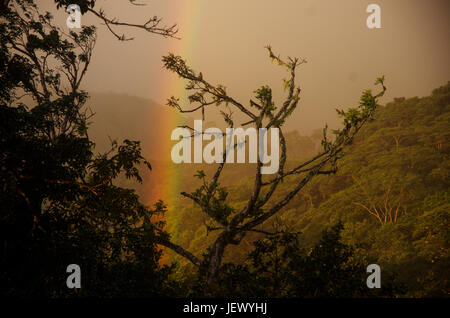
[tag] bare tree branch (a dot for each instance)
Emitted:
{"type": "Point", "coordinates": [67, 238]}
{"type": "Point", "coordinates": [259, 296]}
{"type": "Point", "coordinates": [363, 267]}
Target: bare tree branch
{"type": "Point", "coordinates": [152, 25]}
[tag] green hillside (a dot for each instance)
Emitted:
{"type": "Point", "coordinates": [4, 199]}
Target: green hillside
{"type": "Point", "coordinates": [391, 193]}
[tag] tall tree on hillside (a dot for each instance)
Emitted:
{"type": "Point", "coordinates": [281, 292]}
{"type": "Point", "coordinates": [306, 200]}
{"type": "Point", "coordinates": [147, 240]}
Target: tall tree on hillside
{"type": "Point", "coordinates": [262, 112]}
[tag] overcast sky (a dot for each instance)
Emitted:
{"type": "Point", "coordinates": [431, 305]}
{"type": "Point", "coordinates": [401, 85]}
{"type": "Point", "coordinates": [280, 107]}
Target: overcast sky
{"type": "Point", "coordinates": [225, 40]}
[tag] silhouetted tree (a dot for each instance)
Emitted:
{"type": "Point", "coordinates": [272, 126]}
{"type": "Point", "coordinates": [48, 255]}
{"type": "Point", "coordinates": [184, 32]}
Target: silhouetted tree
{"type": "Point", "coordinates": [58, 201]}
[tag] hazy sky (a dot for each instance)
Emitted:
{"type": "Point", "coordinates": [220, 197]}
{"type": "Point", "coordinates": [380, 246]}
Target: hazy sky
{"type": "Point", "coordinates": [225, 40]}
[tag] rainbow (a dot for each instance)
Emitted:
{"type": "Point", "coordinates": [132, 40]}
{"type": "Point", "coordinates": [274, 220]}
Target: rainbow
{"type": "Point", "coordinates": [166, 175]}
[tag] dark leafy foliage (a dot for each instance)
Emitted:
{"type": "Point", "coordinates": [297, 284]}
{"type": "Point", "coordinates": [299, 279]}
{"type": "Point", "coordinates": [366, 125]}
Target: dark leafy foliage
{"type": "Point", "coordinates": [59, 202]}
{"type": "Point", "coordinates": [279, 267]}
